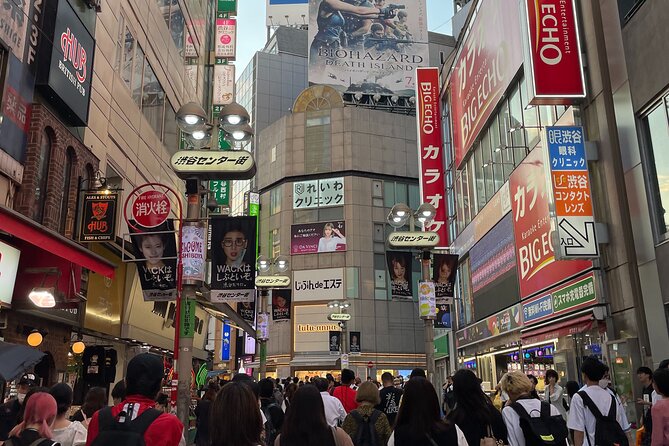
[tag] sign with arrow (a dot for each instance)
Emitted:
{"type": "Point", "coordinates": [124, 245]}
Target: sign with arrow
{"type": "Point", "coordinates": [572, 198]}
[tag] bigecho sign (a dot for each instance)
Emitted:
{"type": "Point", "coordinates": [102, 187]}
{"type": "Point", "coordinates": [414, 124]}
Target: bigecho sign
{"type": "Point", "coordinates": [535, 258]}
{"type": "Point", "coordinates": [430, 148]}
{"type": "Point", "coordinates": [484, 68]}
{"type": "Point", "coordinates": [554, 52]}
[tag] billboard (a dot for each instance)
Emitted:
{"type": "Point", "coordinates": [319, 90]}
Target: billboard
{"type": "Point", "coordinates": [537, 267]}
{"type": "Point", "coordinates": [318, 193]}
{"type": "Point", "coordinates": [484, 68]}
{"type": "Point", "coordinates": [287, 12]}
{"type": "Point", "coordinates": [156, 256]}
{"type": "Point", "coordinates": [318, 284]}
{"type": "Point", "coordinates": [313, 238]}
{"type": "Point", "coordinates": [226, 37]}
{"type": "Point", "coordinates": [368, 52]}
{"type": "Point", "coordinates": [399, 268]}
{"type": "Point", "coordinates": [444, 271]}
{"type": "Point", "coordinates": [281, 304]}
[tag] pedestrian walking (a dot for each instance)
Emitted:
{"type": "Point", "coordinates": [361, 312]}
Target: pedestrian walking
{"type": "Point", "coordinates": [535, 382]}
{"type": "Point", "coordinates": [419, 421]}
{"type": "Point", "coordinates": [95, 399]}
{"type": "Point", "coordinates": [118, 392]}
{"type": "Point", "coordinates": [366, 425]}
{"type": "Point", "coordinates": [271, 410]}
{"type": "Point", "coordinates": [66, 432]}
{"type": "Point", "coordinates": [345, 393]}
{"type": "Point", "coordinates": [645, 377]}
{"type": "Point", "coordinates": [528, 418]}
{"type": "Point", "coordinates": [235, 418]}
{"type": "Point", "coordinates": [660, 410]}
{"type": "Point", "coordinates": [335, 414]}
{"type": "Point", "coordinates": [656, 396]}
{"type": "Point", "coordinates": [35, 429]}
{"type": "Point", "coordinates": [12, 409]}
{"type": "Point", "coordinates": [553, 392]}
{"type": "Point", "coordinates": [390, 398]}
{"type": "Point", "coordinates": [288, 395]}
{"type": "Point", "coordinates": [121, 424]}
{"type": "Point", "coordinates": [305, 423]}
{"type": "Point", "coordinates": [474, 413]}
{"type": "Point", "coordinates": [448, 400]}
{"type": "Point", "coordinates": [202, 414]}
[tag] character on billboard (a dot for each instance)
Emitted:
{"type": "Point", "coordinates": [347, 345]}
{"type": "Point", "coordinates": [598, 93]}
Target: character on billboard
{"type": "Point", "coordinates": [445, 269]}
{"type": "Point", "coordinates": [329, 242]}
{"type": "Point", "coordinates": [234, 246]}
{"type": "Point", "coordinates": [154, 272]}
{"type": "Point", "coordinates": [400, 26]}
{"type": "Point", "coordinates": [232, 256]}
{"type": "Point", "coordinates": [355, 343]}
{"type": "Point", "coordinates": [356, 27]}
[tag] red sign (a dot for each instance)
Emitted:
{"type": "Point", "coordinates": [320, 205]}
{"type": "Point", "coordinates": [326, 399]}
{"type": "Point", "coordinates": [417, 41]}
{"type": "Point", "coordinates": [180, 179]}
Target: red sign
{"type": "Point", "coordinates": [370, 365]}
{"type": "Point", "coordinates": [535, 258]}
{"type": "Point", "coordinates": [554, 52]}
{"type": "Point", "coordinates": [151, 208]}
{"type": "Point", "coordinates": [485, 66]}
{"type": "Point", "coordinates": [431, 149]}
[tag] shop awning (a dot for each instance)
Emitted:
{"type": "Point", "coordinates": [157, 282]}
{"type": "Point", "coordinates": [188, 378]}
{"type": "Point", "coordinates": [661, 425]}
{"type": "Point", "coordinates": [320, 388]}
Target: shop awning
{"type": "Point", "coordinates": [314, 361]}
{"type": "Point", "coordinates": [558, 330]}
{"type": "Point", "coordinates": [30, 231]}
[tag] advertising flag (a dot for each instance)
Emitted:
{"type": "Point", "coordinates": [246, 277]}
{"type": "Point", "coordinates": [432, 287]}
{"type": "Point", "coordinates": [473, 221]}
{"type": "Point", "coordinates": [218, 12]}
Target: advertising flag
{"type": "Point", "coordinates": [444, 271]}
{"type": "Point", "coordinates": [313, 238]}
{"type": "Point", "coordinates": [443, 316]}
{"type": "Point", "coordinates": [399, 268]}
{"type": "Point", "coordinates": [247, 311]}
{"type": "Point", "coordinates": [156, 256]}
{"type": "Point", "coordinates": [98, 221]}
{"type": "Point", "coordinates": [233, 259]}
{"type": "Point", "coordinates": [335, 342]}
{"type": "Point", "coordinates": [367, 51]}
{"type": "Point", "coordinates": [281, 304]}
{"type": "Point", "coordinates": [354, 343]}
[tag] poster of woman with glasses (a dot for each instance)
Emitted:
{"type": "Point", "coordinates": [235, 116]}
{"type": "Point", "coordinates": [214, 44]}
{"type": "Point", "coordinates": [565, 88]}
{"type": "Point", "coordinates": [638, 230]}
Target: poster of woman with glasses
{"type": "Point", "coordinates": [233, 255]}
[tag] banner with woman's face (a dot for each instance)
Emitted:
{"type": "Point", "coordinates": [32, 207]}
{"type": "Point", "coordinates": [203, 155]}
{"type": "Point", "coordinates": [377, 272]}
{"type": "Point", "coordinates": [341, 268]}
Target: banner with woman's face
{"type": "Point", "coordinates": [399, 268]}
{"type": "Point", "coordinates": [156, 258]}
{"type": "Point", "coordinates": [247, 311]}
{"type": "Point", "coordinates": [233, 262]}
{"type": "Point", "coordinates": [444, 271]}
{"type": "Point", "coordinates": [281, 304]}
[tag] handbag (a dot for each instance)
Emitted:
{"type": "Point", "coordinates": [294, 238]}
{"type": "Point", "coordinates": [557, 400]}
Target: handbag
{"type": "Point", "coordinates": [490, 440]}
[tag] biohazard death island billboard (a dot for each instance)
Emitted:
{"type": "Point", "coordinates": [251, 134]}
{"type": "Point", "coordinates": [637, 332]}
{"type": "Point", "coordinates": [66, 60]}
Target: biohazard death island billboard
{"type": "Point", "coordinates": [367, 46]}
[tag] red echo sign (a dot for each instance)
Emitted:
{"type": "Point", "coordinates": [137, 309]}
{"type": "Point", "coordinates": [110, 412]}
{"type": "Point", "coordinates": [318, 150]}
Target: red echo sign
{"type": "Point", "coordinates": [430, 149]}
{"type": "Point", "coordinates": [151, 209]}
{"type": "Point", "coordinates": [554, 52]}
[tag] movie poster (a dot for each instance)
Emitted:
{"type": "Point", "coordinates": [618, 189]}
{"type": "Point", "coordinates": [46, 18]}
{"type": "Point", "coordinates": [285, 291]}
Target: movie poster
{"type": "Point", "coordinates": [156, 256]}
{"type": "Point", "coordinates": [281, 304]}
{"type": "Point", "coordinates": [313, 238]}
{"type": "Point", "coordinates": [444, 270]}
{"type": "Point", "coordinates": [374, 51]}
{"type": "Point", "coordinates": [354, 343]}
{"type": "Point", "coordinates": [335, 342]}
{"type": "Point", "coordinates": [399, 268]}
{"type": "Point", "coordinates": [247, 311]}
{"type": "Point", "coordinates": [233, 259]}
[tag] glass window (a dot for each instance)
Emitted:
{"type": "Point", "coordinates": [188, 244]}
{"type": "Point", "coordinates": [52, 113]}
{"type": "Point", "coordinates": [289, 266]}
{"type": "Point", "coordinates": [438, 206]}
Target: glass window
{"type": "Point", "coordinates": [389, 193]}
{"type": "Point", "coordinates": [128, 58]}
{"type": "Point", "coordinates": [171, 135]}
{"type": "Point", "coordinates": [546, 115]}
{"type": "Point", "coordinates": [137, 76]}
{"type": "Point", "coordinates": [658, 132]}
{"type": "Point", "coordinates": [177, 26]}
{"type": "Point", "coordinates": [317, 142]}
{"type": "Point", "coordinates": [275, 200]}
{"type": "Point", "coordinates": [488, 164]}
{"type": "Point", "coordinates": [120, 42]}
{"type": "Point", "coordinates": [467, 196]}
{"type": "Point", "coordinates": [530, 117]}
{"type": "Point", "coordinates": [414, 196]}
{"type": "Point", "coordinates": [460, 202]}
{"type": "Point", "coordinates": [153, 100]}
{"type": "Point", "coordinates": [42, 175]}
{"type": "Point", "coordinates": [516, 135]}
{"type": "Point", "coordinates": [329, 214]}
{"type": "Point", "coordinates": [305, 216]}
{"type": "Point", "coordinates": [476, 166]}
{"type": "Point", "coordinates": [352, 283]}
{"type": "Point", "coordinates": [67, 182]}
{"type": "Point", "coordinates": [498, 151]}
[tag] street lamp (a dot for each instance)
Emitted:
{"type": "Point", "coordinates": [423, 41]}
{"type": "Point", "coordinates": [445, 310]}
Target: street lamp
{"type": "Point", "coordinates": [233, 121]}
{"type": "Point", "coordinates": [190, 116]}
{"type": "Point", "coordinates": [234, 114]}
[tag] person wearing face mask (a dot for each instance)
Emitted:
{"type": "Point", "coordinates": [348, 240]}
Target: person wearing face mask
{"type": "Point", "coordinates": [9, 412]}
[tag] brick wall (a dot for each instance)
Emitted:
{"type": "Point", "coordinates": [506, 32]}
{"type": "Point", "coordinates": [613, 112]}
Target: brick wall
{"type": "Point", "coordinates": [42, 120]}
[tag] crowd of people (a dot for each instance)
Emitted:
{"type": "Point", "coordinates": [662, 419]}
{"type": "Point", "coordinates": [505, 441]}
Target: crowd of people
{"type": "Point", "coordinates": [342, 411]}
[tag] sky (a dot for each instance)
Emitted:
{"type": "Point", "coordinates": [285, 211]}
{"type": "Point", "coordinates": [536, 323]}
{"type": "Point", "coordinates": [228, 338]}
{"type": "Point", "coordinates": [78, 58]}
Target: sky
{"type": "Point", "coordinates": [252, 33]}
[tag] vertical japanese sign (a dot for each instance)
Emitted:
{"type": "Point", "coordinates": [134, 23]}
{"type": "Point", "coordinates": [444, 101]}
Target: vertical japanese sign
{"type": "Point", "coordinates": [334, 338]}
{"type": "Point", "coordinates": [225, 343]}
{"type": "Point", "coordinates": [156, 253]}
{"type": "Point", "coordinates": [193, 252]}
{"type": "Point", "coordinates": [354, 347]}
{"type": "Point", "coordinates": [221, 189]}
{"type": "Point", "coordinates": [226, 37]}
{"type": "Point", "coordinates": [485, 66]}
{"type": "Point", "coordinates": [554, 52]}
{"type": "Point", "coordinates": [399, 268]}
{"type": "Point", "coordinates": [281, 304]}
{"type": "Point", "coordinates": [187, 317]}
{"type": "Point", "coordinates": [254, 211]}
{"type": "Point", "coordinates": [430, 149]}
{"type": "Point", "coordinates": [572, 197]}
{"type": "Point", "coordinates": [224, 86]}
{"type": "Point", "coordinates": [537, 267]}
{"type": "Point", "coordinates": [229, 6]}
{"type": "Point", "coordinates": [318, 193]}
{"type": "Point", "coordinates": [233, 259]}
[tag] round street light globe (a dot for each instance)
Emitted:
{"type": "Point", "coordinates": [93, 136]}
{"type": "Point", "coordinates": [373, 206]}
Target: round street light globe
{"type": "Point", "coordinates": [234, 120]}
{"type": "Point", "coordinates": [191, 119]}
{"type": "Point", "coordinates": [78, 347]}
{"type": "Point", "coordinates": [263, 264]}
{"type": "Point", "coordinates": [281, 263]}
{"type": "Point", "coordinates": [35, 338]}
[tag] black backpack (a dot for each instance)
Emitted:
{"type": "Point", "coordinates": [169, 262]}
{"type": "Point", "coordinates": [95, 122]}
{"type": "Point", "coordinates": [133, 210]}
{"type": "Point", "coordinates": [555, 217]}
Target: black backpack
{"type": "Point", "coordinates": [270, 431]}
{"type": "Point", "coordinates": [113, 432]}
{"type": "Point", "coordinates": [365, 435]}
{"type": "Point", "coordinates": [607, 430]}
{"type": "Point", "coordinates": [546, 429]}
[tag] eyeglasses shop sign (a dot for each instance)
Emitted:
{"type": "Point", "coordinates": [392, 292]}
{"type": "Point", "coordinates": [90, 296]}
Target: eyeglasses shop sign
{"type": "Point", "coordinates": [318, 284]}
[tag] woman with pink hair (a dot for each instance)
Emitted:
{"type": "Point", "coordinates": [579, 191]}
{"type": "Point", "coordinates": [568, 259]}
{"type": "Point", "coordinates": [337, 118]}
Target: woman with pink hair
{"type": "Point", "coordinates": [35, 429]}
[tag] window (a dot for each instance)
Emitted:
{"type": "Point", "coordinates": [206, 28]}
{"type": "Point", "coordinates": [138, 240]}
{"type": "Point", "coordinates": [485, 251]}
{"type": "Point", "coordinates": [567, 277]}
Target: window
{"type": "Point", "coordinates": [137, 76]}
{"type": "Point", "coordinates": [275, 243]}
{"type": "Point", "coordinates": [380, 272]}
{"type": "Point", "coordinates": [42, 175]}
{"type": "Point", "coordinates": [153, 100]}
{"type": "Point", "coordinates": [627, 8]}
{"type": "Point", "coordinates": [275, 200]}
{"type": "Point", "coordinates": [174, 20]}
{"type": "Point", "coordinates": [67, 182]}
{"type": "Point", "coordinates": [317, 142]}
{"type": "Point", "coordinates": [657, 125]}
{"type": "Point", "coordinates": [170, 136]}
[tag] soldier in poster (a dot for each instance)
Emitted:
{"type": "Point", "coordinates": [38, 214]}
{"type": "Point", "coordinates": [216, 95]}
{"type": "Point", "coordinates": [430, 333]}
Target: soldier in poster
{"type": "Point", "coordinates": [155, 249]}
{"type": "Point", "coordinates": [399, 267]}
{"type": "Point", "coordinates": [233, 258]}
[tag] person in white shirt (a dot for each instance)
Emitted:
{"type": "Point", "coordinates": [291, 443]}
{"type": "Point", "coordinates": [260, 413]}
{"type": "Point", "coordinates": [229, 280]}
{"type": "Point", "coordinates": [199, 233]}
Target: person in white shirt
{"type": "Point", "coordinates": [334, 409]}
{"type": "Point", "coordinates": [581, 420]}
{"type": "Point", "coordinates": [331, 238]}
{"type": "Point", "coordinates": [553, 392]}
{"type": "Point", "coordinates": [518, 386]}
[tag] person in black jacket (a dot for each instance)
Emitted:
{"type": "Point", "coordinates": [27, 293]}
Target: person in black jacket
{"type": "Point", "coordinates": [202, 411]}
{"type": "Point", "coordinates": [270, 408]}
{"type": "Point", "coordinates": [10, 412]}
{"type": "Point", "coordinates": [474, 413]}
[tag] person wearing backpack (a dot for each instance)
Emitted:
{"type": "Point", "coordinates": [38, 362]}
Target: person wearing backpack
{"type": "Point", "coordinates": [366, 425]}
{"type": "Point", "coordinates": [135, 421]}
{"type": "Point", "coordinates": [271, 409]}
{"type": "Point", "coordinates": [38, 418]}
{"type": "Point", "coordinates": [594, 414]}
{"type": "Point", "coordinates": [529, 421]}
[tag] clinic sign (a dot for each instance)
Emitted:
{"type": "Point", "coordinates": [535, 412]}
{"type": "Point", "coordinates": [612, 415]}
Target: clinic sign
{"type": "Point", "coordinates": [430, 148]}
{"type": "Point", "coordinates": [323, 193]}
{"type": "Point", "coordinates": [554, 52]}
{"type": "Point", "coordinates": [572, 196]}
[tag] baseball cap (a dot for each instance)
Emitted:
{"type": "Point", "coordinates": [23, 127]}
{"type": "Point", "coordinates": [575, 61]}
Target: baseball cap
{"type": "Point", "coordinates": [29, 379]}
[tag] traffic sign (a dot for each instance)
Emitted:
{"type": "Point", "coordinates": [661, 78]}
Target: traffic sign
{"type": "Point", "coordinates": [370, 364]}
{"type": "Point", "coordinates": [151, 208]}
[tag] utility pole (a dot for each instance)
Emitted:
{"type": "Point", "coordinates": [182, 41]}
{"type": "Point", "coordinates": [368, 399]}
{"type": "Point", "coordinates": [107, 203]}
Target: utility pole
{"type": "Point", "coordinates": [262, 342]}
{"type": "Point", "coordinates": [429, 323]}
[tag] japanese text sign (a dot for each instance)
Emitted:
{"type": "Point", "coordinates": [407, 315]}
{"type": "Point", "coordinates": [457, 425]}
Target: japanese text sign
{"type": "Point", "coordinates": [187, 318]}
{"type": "Point", "coordinates": [314, 238]}
{"type": "Point", "coordinates": [221, 189]}
{"type": "Point", "coordinates": [575, 294]}
{"type": "Point", "coordinates": [572, 197]}
{"type": "Point", "coordinates": [486, 64]}
{"type": "Point", "coordinates": [98, 219]}
{"type": "Point", "coordinates": [151, 208]}
{"type": "Point", "coordinates": [318, 284]}
{"type": "Point", "coordinates": [213, 164]}
{"type": "Point", "coordinates": [318, 193]}
{"type": "Point", "coordinates": [281, 305]}
{"type": "Point", "coordinates": [226, 37]}
{"type": "Point", "coordinates": [427, 305]}
{"type": "Point", "coordinates": [156, 257]}
{"type": "Point", "coordinates": [430, 149]}
{"type": "Point", "coordinates": [193, 252]}
{"type": "Point", "coordinates": [554, 56]}
{"type": "Point", "coordinates": [224, 84]}
{"type": "Point", "coordinates": [498, 324]}
{"type": "Point", "coordinates": [535, 258]}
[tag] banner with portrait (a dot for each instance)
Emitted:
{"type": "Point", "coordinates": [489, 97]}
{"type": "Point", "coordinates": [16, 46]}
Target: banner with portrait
{"type": "Point", "coordinates": [399, 268]}
{"type": "Point", "coordinates": [354, 343]}
{"type": "Point", "coordinates": [334, 340]}
{"type": "Point", "coordinates": [375, 51]}
{"type": "Point", "coordinates": [443, 315]}
{"type": "Point", "coordinates": [281, 304]}
{"type": "Point", "coordinates": [313, 238]}
{"type": "Point", "coordinates": [247, 311]}
{"type": "Point", "coordinates": [156, 258]}
{"type": "Point", "coordinates": [233, 259]}
{"type": "Point", "coordinates": [444, 271]}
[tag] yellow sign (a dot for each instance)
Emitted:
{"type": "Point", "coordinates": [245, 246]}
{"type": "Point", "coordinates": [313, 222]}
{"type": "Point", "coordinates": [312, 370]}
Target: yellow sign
{"type": "Point", "coordinates": [317, 328]}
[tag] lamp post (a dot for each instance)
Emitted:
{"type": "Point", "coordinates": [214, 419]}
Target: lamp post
{"type": "Point", "coordinates": [271, 274]}
{"type": "Point", "coordinates": [192, 121]}
{"type": "Point", "coordinates": [399, 216]}
{"type": "Point", "coordinates": [342, 306]}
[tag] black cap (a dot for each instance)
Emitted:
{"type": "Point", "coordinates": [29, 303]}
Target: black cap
{"type": "Point", "coordinates": [28, 379]}
{"type": "Point", "coordinates": [144, 375]}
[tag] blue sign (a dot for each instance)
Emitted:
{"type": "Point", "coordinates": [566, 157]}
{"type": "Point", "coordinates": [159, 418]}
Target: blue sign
{"type": "Point", "coordinates": [538, 309]}
{"type": "Point", "coordinates": [566, 148]}
{"type": "Point", "coordinates": [225, 349]}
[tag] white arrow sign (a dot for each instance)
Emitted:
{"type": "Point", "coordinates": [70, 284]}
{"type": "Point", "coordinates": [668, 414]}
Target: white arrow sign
{"type": "Point", "coordinates": [577, 237]}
